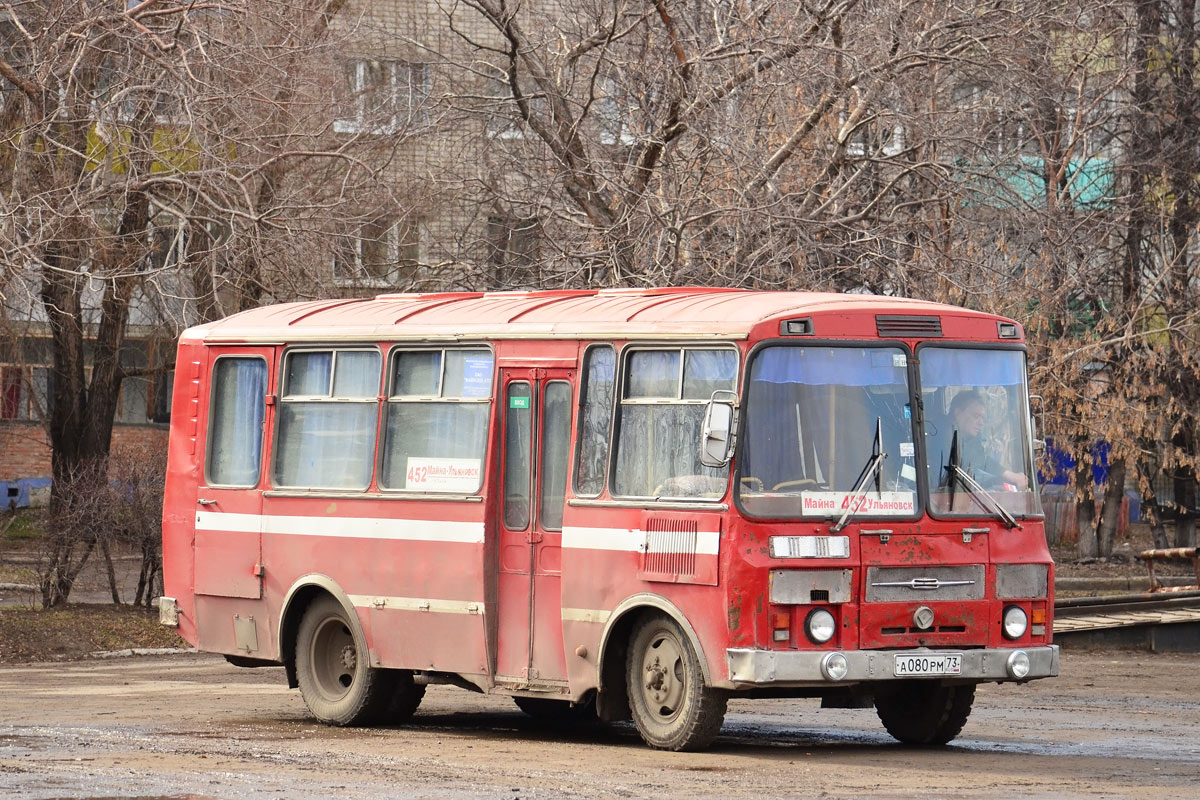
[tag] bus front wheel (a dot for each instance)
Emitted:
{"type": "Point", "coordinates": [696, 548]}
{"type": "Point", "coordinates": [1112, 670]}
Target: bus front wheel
{"type": "Point", "coordinates": [338, 685]}
{"type": "Point", "coordinates": [924, 713]}
{"type": "Point", "coordinates": [672, 707]}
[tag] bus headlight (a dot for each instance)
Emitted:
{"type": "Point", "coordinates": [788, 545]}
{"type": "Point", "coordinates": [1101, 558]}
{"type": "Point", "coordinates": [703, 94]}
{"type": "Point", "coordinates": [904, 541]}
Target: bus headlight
{"type": "Point", "coordinates": [834, 666]}
{"type": "Point", "coordinates": [1015, 622]}
{"type": "Point", "coordinates": [820, 626]}
{"type": "Point", "coordinates": [1018, 664]}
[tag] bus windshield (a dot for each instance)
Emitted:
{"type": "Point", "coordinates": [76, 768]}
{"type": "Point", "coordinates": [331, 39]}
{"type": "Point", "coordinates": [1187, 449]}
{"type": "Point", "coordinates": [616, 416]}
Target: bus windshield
{"type": "Point", "coordinates": [977, 435]}
{"type": "Point", "coordinates": [812, 418]}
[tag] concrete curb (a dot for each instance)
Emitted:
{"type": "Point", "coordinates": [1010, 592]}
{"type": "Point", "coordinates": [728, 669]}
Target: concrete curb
{"type": "Point", "coordinates": [145, 651]}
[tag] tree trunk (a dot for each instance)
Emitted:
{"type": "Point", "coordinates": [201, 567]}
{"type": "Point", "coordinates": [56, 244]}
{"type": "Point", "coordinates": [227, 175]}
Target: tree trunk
{"type": "Point", "coordinates": [112, 573]}
{"type": "Point", "coordinates": [1185, 500]}
{"type": "Point", "coordinates": [1085, 510]}
{"type": "Point", "coordinates": [1158, 531]}
{"type": "Point", "coordinates": [1110, 513]}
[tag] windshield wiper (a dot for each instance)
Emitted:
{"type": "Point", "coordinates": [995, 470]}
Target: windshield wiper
{"type": "Point", "coordinates": [872, 469]}
{"type": "Point", "coordinates": [980, 494]}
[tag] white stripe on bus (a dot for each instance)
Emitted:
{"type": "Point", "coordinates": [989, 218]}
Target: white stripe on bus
{"type": "Point", "coordinates": [597, 615]}
{"type": "Point", "coordinates": [423, 530]}
{"type": "Point", "coordinates": [627, 540]}
{"type": "Point", "coordinates": [573, 537]}
{"type": "Point", "coordinates": [418, 604]}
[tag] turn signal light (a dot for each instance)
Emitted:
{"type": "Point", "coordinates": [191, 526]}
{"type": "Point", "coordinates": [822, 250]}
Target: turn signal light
{"type": "Point", "coordinates": [1038, 616]}
{"type": "Point", "coordinates": [781, 624]}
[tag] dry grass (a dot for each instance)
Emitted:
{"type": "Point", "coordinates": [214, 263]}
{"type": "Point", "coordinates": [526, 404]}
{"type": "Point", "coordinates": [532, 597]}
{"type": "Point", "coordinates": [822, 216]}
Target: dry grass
{"type": "Point", "coordinates": [78, 631]}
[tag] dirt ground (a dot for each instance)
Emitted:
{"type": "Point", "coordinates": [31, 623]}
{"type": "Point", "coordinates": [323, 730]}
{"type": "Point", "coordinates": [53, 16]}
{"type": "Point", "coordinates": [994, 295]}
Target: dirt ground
{"type": "Point", "coordinates": [1114, 725]}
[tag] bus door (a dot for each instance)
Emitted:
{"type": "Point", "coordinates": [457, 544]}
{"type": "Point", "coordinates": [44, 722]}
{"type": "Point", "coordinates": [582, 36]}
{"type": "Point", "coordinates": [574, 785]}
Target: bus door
{"type": "Point", "coordinates": [228, 549]}
{"type": "Point", "coordinates": [535, 437]}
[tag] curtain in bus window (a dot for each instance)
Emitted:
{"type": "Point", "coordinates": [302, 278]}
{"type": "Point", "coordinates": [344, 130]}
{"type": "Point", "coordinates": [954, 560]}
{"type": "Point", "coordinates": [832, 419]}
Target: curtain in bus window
{"type": "Point", "coordinates": [449, 437]}
{"type": "Point", "coordinates": [830, 365]}
{"type": "Point", "coordinates": [328, 443]}
{"type": "Point", "coordinates": [236, 428]}
{"type": "Point", "coordinates": [308, 374]}
{"type": "Point", "coordinates": [971, 367]}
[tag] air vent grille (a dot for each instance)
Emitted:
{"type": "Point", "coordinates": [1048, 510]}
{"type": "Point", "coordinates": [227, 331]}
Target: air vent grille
{"type": "Point", "coordinates": [671, 547]}
{"type": "Point", "coordinates": [891, 326]}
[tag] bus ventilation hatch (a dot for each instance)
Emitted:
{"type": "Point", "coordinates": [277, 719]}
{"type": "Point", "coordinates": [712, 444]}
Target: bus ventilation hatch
{"type": "Point", "coordinates": [896, 326]}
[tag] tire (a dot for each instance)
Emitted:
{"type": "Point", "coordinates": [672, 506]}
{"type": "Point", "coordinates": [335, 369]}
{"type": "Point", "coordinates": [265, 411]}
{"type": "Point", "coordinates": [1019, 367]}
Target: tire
{"type": "Point", "coordinates": [924, 713]}
{"type": "Point", "coordinates": [556, 710]}
{"type": "Point", "coordinates": [406, 696]}
{"type": "Point", "coordinates": [338, 685]}
{"type": "Point", "coordinates": [672, 707]}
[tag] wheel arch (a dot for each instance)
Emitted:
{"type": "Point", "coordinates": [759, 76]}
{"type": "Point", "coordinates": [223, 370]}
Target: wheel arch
{"type": "Point", "coordinates": [612, 700]}
{"type": "Point", "coordinates": [299, 596]}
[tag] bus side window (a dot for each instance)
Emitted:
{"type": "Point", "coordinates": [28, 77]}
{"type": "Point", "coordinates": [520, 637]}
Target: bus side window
{"type": "Point", "coordinates": [235, 437]}
{"type": "Point", "coordinates": [595, 420]}
{"type": "Point", "coordinates": [327, 419]}
{"type": "Point", "coordinates": [436, 421]}
{"type": "Point", "coordinates": [664, 396]}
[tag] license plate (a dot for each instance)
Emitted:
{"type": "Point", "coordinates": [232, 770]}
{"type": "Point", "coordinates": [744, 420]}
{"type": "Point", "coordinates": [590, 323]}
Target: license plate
{"type": "Point", "coordinates": [928, 663]}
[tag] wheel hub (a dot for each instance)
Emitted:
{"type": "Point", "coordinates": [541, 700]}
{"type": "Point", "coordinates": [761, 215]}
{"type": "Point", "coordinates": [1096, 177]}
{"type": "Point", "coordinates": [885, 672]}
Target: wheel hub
{"type": "Point", "coordinates": [349, 657]}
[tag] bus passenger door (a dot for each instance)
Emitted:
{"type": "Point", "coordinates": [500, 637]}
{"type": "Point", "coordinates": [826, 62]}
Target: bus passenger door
{"type": "Point", "coordinates": [228, 549]}
{"type": "Point", "coordinates": [535, 444]}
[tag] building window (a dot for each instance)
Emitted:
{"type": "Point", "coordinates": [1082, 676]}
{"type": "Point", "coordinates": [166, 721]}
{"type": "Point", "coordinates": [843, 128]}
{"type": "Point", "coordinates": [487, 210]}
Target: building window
{"type": "Point", "coordinates": [14, 395]}
{"type": "Point", "coordinates": [382, 252]}
{"type": "Point", "coordinates": [384, 96]}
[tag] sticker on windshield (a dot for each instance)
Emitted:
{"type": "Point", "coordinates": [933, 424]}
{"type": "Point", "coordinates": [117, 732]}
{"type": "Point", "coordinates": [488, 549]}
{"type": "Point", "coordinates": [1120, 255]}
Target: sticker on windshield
{"type": "Point", "coordinates": [907, 450]}
{"type": "Point", "coordinates": [868, 504]}
{"type": "Point", "coordinates": [899, 360]}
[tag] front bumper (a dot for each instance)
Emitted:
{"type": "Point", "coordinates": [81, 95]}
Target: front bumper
{"type": "Point", "coordinates": [749, 668]}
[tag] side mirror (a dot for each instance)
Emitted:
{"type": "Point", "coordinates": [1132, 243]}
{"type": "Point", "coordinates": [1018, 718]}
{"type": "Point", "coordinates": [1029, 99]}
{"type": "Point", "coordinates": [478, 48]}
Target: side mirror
{"type": "Point", "coordinates": [717, 432]}
{"type": "Point", "coordinates": [1039, 445]}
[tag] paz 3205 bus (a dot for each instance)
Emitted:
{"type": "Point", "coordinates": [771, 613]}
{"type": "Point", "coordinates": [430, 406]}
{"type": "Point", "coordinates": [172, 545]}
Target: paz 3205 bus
{"type": "Point", "coordinates": [622, 503]}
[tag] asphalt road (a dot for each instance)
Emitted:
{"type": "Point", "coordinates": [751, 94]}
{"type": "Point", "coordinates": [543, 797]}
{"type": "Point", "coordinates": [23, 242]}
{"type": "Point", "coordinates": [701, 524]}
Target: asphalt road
{"type": "Point", "coordinates": [1113, 725]}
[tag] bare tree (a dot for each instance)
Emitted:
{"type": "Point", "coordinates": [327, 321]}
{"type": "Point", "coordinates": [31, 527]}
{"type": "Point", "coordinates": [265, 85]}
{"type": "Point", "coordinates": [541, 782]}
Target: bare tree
{"type": "Point", "coordinates": [179, 161]}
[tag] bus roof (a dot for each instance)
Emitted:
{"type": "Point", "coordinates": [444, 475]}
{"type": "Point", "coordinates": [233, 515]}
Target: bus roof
{"type": "Point", "coordinates": [605, 313]}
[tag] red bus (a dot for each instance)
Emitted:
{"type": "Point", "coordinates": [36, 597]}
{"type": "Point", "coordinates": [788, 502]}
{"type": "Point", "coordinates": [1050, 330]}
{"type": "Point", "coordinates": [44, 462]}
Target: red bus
{"type": "Point", "coordinates": [626, 503]}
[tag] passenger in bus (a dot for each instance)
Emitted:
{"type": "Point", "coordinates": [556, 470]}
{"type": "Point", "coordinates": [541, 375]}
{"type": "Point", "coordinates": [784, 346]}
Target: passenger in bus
{"type": "Point", "coordinates": [975, 454]}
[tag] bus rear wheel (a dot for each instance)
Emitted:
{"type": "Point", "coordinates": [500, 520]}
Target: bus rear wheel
{"type": "Point", "coordinates": [924, 713]}
{"type": "Point", "coordinates": [672, 707]}
{"type": "Point", "coordinates": [338, 685]}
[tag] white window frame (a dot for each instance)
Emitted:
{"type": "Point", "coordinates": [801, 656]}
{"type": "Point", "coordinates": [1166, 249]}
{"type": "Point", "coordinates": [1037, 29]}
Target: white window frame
{"type": "Point", "coordinates": [406, 89]}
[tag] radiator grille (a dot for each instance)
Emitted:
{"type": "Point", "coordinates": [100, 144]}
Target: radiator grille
{"type": "Point", "coordinates": [899, 584]}
{"type": "Point", "coordinates": [894, 326]}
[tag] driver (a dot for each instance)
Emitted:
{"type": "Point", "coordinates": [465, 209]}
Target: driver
{"type": "Point", "coordinates": [974, 456]}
